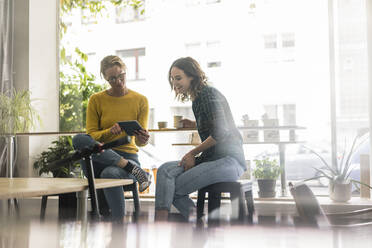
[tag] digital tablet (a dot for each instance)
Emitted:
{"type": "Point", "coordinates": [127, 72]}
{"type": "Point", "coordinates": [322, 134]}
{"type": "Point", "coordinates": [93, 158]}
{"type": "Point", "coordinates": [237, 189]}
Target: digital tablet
{"type": "Point", "coordinates": [130, 126]}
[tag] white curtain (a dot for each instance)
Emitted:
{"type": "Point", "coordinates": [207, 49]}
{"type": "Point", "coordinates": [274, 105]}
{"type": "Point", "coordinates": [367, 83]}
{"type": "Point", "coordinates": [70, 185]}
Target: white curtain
{"type": "Point", "coordinates": [6, 46]}
{"type": "Point", "coordinates": [6, 61]}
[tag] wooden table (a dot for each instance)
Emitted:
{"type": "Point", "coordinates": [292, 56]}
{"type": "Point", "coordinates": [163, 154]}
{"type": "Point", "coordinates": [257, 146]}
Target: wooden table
{"type": "Point", "coordinates": [280, 143]}
{"type": "Point", "coordinates": [32, 187]}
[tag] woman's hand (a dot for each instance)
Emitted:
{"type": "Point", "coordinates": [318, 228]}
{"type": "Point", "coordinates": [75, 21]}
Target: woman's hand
{"type": "Point", "coordinates": [186, 123]}
{"type": "Point", "coordinates": [188, 161]}
{"type": "Point", "coordinates": [142, 136]}
{"type": "Point", "coordinates": [115, 129]}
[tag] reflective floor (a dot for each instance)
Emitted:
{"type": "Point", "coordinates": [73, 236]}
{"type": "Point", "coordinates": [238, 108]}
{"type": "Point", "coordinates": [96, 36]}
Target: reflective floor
{"type": "Point", "coordinates": [26, 230]}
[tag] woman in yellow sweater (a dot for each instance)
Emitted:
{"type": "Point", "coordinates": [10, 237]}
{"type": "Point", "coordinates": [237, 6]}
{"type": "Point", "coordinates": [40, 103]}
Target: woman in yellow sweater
{"type": "Point", "coordinates": [105, 110]}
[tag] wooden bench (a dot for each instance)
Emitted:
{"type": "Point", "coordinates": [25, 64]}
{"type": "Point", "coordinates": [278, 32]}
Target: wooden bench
{"type": "Point", "coordinates": [32, 187]}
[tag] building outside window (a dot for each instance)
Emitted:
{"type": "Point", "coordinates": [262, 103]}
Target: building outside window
{"type": "Point", "coordinates": [135, 61]}
{"type": "Point", "coordinates": [270, 41]}
{"type": "Point", "coordinates": [191, 3]}
{"type": "Point", "coordinates": [87, 17]}
{"type": "Point", "coordinates": [212, 1]}
{"type": "Point", "coordinates": [129, 13]}
{"type": "Point", "coordinates": [213, 53]}
{"type": "Point", "coordinates": [288, 40]}
{"type": "Point", "coordinates": [288, 47]}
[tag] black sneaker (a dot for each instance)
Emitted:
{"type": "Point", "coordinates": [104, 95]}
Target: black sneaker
{"type": "Point", "coordinates": [143, 178]}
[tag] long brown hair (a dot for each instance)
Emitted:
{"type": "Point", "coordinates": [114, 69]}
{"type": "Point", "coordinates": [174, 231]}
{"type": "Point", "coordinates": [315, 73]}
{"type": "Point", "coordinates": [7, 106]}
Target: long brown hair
{"type": "Point", "coordinates": [192, 69]}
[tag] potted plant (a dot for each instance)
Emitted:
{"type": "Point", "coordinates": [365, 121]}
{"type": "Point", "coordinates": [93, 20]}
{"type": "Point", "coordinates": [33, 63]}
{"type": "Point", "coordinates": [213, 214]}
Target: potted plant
{"type": "Point", "coordinates": [16, 115]}
{"type": "Point", "coordinates": [266, 172]}
{"type": "Point", "coordinates": [60, 149]}
{"type": "Point", "coordinates": [340, 182]}
{"type": "Point", "coordinates": [16, 112]}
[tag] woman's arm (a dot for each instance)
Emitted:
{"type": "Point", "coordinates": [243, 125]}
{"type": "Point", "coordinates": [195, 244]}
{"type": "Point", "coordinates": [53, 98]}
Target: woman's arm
{"type": "Point", "coordinates": [209, 142]}
{"type": "Point", "coordinates": [188, 161]}
{"type": "Point", "coordinates": [93, 120]}
{"type": "Point", "coordinates": [142, 137]}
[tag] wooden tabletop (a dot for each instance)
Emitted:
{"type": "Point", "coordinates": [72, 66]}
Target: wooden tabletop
{"type": "Point", "coordinates": [31, 187]}
{"type": "Point", "coordinates": [82, 132]}
{"type": "Point", "coordinates": [165, 130]}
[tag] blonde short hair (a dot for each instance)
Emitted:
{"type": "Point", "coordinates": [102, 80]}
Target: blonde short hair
{"type": "Point", "coordinates": [110, 61]}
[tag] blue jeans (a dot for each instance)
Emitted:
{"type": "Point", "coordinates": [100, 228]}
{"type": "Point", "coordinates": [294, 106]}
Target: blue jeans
{"type": "Point", "coordinates": [173, 184]}
{"type": "Point", "coordinates": [104, 166]}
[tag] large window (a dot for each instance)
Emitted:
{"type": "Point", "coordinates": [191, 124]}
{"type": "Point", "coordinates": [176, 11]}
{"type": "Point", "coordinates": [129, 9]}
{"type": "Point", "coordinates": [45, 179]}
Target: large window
{"type": "Point", "coordinates": [135, 61]}
{"type": "Point", "coordinates": [258, 54]}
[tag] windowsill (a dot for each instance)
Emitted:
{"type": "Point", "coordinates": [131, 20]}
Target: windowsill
{"type": "Point", "coordinates": [323, 200]}
{"type": "Point", "coordinates": [268, 206]}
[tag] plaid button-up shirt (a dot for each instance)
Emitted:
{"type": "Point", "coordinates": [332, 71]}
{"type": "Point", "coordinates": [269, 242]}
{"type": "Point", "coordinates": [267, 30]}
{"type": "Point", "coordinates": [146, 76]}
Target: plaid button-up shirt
{"type": "Point", "coordinates": [214, 118]}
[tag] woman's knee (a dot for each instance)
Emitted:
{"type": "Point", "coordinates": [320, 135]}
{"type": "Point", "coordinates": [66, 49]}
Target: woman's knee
{"type": "Point", "coordinates": [169, 169]}
{"type": "Point", "coordinates": [112, 172]}
{"type": "Point", "coordinates": [81, 140]}
{"type": "Point", "coordinates": [164, 167]}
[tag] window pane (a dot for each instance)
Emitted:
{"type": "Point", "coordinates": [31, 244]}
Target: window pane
{"type": "Point", "coordinates": [265, 57]}
{"type": "Point", "coordinates": [130, 62]}
{"type": "Point", "coordinates": [134, 59]}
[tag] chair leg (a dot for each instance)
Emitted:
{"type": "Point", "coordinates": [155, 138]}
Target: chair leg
{"type": "Point", "coordinates": [214, 203]}
{"type": "Point", "coordinates": [136, 200]}
{"type": "Point", "coordinates": [242, 211]}
{"type": "Point", "coordinates": [104, 208]}
{"type": "Point", "coordinates": [250, 205]}
{"type": "Point", "coordinates": [237, 203]}
{"type": "Point", "coordinates": [16, 206]}
{"type": "Point", "coordinates": [200, 204]}
{"type": "Point", "coordinates": [44, 201]}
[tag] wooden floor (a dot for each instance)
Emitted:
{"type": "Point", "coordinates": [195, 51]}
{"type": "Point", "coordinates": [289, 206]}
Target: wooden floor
{"type": "Point", "coordinates": [267, 230]}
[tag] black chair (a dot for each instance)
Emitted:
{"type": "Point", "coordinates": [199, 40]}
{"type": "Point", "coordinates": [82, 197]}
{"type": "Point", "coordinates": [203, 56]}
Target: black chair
{"type": "Point", "coordinates": [104, 208]}
{"type": "Point", "coordinates": [86, 155]}
{"type": "Point", "coordinates": [102, 202]}
{"type": "Point", "coordinates": [133, 189]}
{"type": "Point", "coordinates": [310, 212]}
{"type": "Point", "coordinates": [239, 191]}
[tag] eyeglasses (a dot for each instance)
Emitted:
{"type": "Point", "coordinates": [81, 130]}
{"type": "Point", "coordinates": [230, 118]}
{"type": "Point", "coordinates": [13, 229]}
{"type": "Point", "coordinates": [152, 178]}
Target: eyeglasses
{"type": "Point", "coordinates": [120, 77]}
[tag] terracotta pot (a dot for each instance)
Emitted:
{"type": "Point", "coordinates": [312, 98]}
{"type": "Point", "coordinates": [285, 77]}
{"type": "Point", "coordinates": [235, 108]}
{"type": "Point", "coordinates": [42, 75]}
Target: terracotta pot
{"type": "Point", "coordinates": [340, 192]}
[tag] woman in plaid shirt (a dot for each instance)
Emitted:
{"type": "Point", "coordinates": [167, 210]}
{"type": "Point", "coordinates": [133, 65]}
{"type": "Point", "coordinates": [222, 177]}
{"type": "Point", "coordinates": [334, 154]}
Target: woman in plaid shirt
{"type": "Point", "coordinates": [220, 156]}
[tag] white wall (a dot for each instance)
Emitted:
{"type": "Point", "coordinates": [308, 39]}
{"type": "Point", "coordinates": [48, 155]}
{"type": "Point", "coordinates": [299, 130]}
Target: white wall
{"type": "Point", "coordinates": [36, 69]}
{"type": "Point", "coordinates": [44, 73]}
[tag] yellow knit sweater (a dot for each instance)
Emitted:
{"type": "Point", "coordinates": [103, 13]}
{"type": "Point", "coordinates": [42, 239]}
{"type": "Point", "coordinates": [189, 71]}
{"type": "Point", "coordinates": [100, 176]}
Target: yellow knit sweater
{"type": "Point", "coordinates": [104, 111]}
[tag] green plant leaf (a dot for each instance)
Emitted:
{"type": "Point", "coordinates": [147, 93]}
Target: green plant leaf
{"type": "Point", "coordinates": [16, 112]}
{"type": "Point", "coordinates": [315, 178]}
{"type": "Point", "coordinates": [322, 159]}
{"type": "Point", "coordinates": [359, 182]}
{"type": "Point", "coordinates": [347, 163]}
{"type": "Point", "coordinates": [59, 149]}
{"type": "Point", "coordinates": [343, 169]}
{"type": "Point", "coordinates": [266, 169]}
{"type": "Point", "coordinates": [322, 172]}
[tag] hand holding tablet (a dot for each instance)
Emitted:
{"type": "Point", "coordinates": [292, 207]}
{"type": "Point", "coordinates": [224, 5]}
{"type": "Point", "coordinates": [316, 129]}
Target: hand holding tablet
{"type": "Point", "coordinates": [130, 126]}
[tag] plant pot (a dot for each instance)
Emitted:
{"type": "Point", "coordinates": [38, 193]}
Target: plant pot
{"type": "Point", "coordinates": [67, 206]}
{"type": "Point", "coordinates": [340, 192]}
{"type": "Point", "coordinates": [266, 188]}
